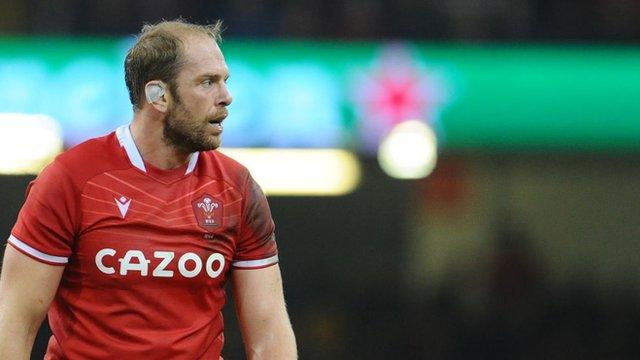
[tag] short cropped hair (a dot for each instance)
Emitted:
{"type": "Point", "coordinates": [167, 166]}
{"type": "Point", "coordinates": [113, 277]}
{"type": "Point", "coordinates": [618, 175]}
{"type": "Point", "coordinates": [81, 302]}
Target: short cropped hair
{"type": "Point", "coordinates": [158, 54]}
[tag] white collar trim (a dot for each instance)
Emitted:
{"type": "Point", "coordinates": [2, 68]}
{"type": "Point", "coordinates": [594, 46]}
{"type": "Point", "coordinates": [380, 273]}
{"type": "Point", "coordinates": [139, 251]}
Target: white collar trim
{"type": "Point", "coordinates": [123, 133]}
{"type": "Point", "coordinates": [192, 162]}
{"type": "Point", "coordinates": [126, 141]}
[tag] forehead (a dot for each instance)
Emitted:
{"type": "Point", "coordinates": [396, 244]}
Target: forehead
{"type": "Point", "coordinates": [203, 56]}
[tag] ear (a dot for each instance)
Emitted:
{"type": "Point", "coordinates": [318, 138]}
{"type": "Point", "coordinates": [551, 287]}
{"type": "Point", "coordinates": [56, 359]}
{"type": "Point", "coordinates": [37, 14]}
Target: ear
{"type": "Point", "coordinates": [155, 93]}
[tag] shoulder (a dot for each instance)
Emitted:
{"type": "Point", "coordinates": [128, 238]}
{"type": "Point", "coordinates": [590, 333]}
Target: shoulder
{"type": "Point", "coordinates": [222, 166]}
{"type": "Point", "coordinates": [90, 158]}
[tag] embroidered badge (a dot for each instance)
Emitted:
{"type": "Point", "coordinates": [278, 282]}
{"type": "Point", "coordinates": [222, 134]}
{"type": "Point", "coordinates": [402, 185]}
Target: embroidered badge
{"type": "Point", "coordinates": [208, 211]}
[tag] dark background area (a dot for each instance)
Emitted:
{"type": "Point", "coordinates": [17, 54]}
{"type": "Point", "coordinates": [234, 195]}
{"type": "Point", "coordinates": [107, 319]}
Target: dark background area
{"type": "Point", "coordinates": [468, 20]}
{"type": "Point", "coordinates": [344, 267]}
{"type": "Point", "coordinates": [494, 256]}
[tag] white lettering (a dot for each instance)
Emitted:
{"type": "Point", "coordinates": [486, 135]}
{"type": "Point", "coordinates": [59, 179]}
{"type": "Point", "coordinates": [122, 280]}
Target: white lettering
{"type": "Point", "coordinates": [183, 261]}
{"type": "Point", "coordinates": [126, 265]}
{"type": "Point", "coordinates": [213, 258]}
{"type": "Point", "coordinates": [166, 257]}
{"type": "Point", "coordinates": [101, 254]}
{"type": "Point", "coordinates": [189, 265]}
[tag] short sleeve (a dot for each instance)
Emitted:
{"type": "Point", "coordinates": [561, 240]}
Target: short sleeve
{"type": "Point", "coordinates": [47, 223]}
{"type": "Point", "coordinates": [256, 247]}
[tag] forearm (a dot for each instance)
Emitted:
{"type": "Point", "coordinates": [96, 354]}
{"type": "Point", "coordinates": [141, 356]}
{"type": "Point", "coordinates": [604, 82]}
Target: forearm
{"type": "Point", "coordinates": [16, 335]}
{"type": "Point", "coordinates": [273, 340]}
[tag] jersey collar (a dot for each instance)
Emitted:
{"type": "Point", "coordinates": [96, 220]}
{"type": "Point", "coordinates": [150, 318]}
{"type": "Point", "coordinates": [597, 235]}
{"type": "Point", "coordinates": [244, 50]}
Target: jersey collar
{"type": "Point", "coordinates": [123, 133]}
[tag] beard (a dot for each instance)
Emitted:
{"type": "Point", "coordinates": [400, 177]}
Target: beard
{"type": "Point", "coordinates": [184, 132]}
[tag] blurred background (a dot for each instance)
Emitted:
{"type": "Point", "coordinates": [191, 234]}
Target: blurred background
{"type": "Point", "coordinates": [459, 179]}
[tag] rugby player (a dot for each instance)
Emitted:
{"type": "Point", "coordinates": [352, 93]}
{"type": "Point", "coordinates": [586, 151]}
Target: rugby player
{"type": "Point", "coordinates": [127, 241]}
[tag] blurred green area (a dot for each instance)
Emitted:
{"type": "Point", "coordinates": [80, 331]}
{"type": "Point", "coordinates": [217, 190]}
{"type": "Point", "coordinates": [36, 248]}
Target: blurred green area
{"type": "Point", "coordinates": [478, 97]}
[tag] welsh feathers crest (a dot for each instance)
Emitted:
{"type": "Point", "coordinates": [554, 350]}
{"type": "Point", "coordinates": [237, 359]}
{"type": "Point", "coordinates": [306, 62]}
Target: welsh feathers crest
{"type": "Point", "coordinates": [208, 212]}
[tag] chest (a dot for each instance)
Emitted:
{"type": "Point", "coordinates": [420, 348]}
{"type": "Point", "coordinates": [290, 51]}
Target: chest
{"type": "Point", "coordinates": [134, 230]}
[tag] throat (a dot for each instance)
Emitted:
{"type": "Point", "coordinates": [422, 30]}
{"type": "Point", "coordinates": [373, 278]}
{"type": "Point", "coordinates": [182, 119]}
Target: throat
{"type": "Point", "coordinates": [167, 158]}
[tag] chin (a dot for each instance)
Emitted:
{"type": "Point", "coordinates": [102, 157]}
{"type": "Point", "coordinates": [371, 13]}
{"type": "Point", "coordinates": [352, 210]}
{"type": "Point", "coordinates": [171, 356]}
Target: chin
{"type": "Point", "coordinates": [211, 145]}
{"type": "Point", "coordinates": [216, 142]}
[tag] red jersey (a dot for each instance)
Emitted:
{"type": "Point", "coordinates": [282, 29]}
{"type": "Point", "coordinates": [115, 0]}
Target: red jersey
{"type": "Point", "coordinates": [147, 252]}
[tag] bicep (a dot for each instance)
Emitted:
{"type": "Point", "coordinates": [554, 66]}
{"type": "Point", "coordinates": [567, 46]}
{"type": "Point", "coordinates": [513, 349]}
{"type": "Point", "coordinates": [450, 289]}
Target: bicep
{"type": "Point", "coordinates": [258, 296]}
{"type": "Point", "coordinates": [27, 286]}
{"type": "Point", "coordinates": [258, 290]}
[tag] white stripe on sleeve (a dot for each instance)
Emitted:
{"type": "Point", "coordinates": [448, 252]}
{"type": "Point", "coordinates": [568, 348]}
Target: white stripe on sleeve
{"type": "Point", "coordinates": [35, 253]}
{"type": "Point", "coordinates": [256, 263]}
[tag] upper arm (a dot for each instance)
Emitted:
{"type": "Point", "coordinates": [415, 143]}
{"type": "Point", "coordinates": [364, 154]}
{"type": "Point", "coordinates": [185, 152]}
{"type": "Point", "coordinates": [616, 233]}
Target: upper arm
{"type": "Point", "coordinates": [256, 240]}
{"type": "Point", "coordinates": [48, 220]}
{"type": "Point", "coordinates": [258, 295]}
{"type": "Point", "coordinates": [38, 248]}
{"type": "Point", "coordinates": [27, 287]}
{"type": "Point", "coordinates": [257, 283]}
{"type": "Point", "coordinates": [262, 314]}
{"type": "Point", "coordinates": [40, 245]}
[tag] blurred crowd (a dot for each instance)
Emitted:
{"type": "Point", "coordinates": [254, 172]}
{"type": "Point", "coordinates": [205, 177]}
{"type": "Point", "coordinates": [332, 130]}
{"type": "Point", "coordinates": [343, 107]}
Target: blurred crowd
{"type": "Point", "coordinates": [522, 316]}
{"type": "Point", "coordinates": [467, 20]}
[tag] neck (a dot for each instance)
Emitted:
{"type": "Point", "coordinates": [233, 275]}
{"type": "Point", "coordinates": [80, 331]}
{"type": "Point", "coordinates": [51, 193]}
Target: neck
{"type": "Point", "coordinates": [148, 137]}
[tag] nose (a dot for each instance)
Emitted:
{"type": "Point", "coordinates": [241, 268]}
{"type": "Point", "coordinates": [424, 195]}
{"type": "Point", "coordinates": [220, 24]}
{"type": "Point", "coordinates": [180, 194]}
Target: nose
{"type": "Point", "coordinates": [225, 96]}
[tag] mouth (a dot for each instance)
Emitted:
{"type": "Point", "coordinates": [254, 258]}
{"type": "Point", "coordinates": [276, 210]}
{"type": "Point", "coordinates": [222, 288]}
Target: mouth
{"type": "Point", "coordinates": [216, 123]}
{"type": "Point", "coordinates": [219, 117]}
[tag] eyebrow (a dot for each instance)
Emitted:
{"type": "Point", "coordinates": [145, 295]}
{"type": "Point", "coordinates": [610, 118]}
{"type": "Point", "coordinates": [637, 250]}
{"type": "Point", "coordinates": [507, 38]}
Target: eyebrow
{"type": "Point", "coordinates": [213, 76]}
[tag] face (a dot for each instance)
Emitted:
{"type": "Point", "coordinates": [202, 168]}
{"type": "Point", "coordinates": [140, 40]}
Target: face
{"type": "Point", "coordinates": [199, 102]}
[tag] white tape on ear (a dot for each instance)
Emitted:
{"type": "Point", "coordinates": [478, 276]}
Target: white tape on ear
{"type": "Point", "coordinates": [154, 92]}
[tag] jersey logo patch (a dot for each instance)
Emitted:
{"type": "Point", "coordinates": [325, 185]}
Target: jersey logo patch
{"type": "Point", "coordinates": [208, 211]}
{"type": "Point", "coordinates": [123, 205]}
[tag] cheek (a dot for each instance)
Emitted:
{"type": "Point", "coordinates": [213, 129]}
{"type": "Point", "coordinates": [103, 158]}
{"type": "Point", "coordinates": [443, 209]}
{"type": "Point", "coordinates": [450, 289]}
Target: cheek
{"type": "Point", "coordinates": [209, 106]}
{"type": "Point", "coordinates": [189, 112]}
{"type": "Point", "coordinates": [203, 107]}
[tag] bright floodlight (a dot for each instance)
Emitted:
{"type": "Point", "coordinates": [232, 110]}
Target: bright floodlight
{"type": "Point", "coordinates": [410, 151]}
{"type": "Point", "coordinates": [300, 172]}
{"type": "Point", "coordinates": [28, 142]}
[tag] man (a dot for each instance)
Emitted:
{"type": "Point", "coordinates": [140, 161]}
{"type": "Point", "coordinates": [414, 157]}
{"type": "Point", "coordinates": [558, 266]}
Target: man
{"type": "Point", "coordinates": [127, 240]}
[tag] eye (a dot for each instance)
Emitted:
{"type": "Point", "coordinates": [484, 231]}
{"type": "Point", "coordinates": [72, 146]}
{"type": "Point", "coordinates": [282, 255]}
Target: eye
{"type": "Point", "coordinates": [207, 82]}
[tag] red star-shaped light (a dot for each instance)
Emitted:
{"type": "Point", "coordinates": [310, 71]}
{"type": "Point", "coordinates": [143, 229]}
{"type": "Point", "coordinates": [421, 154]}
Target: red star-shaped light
{"type": "Point", "coordinates": [395, 99]}
{"type": "Point", "coordinates": [395, 89]}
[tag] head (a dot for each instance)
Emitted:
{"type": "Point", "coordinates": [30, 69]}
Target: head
{"type": "Point", "coordinates": [177, 71]}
